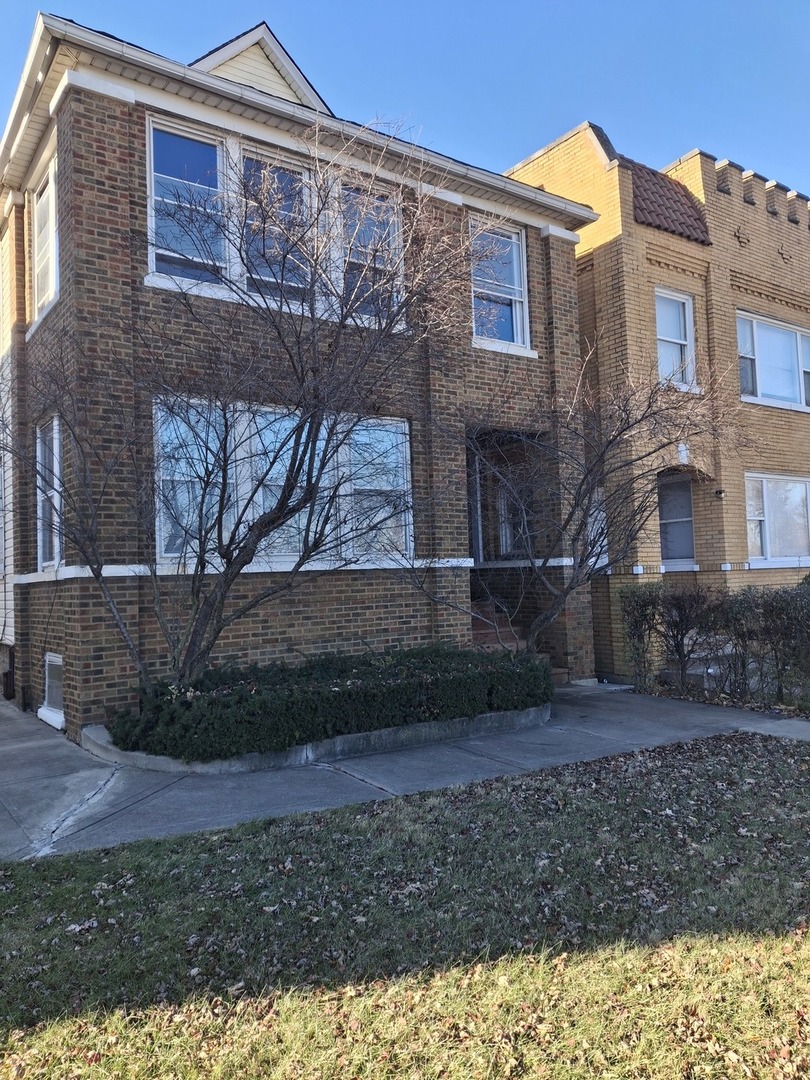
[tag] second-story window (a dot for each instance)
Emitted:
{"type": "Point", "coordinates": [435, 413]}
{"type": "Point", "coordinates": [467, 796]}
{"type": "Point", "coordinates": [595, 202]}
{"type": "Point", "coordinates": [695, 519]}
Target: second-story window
{"type": "Point", "coordinates": [369, 253]}
{"type": "Point", "coordinates": [46, 245]}
{"type": "Point", "coordinates": [499, 289]}
{"type": "Point", "coordinates": [188, 237]}
{"type": "Point", "coordinates": [774, 361]}
{"type": "Point", "coordinates": [276, 232]}
{"type": "Point", "coordinates": [674, 323]}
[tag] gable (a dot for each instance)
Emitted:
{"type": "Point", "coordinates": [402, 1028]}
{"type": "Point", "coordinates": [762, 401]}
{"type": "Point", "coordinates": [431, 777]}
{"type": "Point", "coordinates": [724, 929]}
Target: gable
{"type": "Point", "coordinates": [254, 68]}
{"type": "Point", "coordinates": [257, 59]}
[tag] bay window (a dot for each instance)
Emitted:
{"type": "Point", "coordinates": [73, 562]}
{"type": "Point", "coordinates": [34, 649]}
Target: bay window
{"type": "Point", "coordinates": [339, 487]}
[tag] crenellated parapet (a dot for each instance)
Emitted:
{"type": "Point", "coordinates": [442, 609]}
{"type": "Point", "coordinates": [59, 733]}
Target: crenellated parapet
{"type": "Point", "coordinates": [752, 188]}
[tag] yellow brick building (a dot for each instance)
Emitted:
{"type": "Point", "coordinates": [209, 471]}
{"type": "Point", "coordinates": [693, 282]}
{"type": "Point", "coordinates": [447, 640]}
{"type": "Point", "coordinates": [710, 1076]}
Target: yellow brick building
{"type": "Point", "coordinates": [703, 268]}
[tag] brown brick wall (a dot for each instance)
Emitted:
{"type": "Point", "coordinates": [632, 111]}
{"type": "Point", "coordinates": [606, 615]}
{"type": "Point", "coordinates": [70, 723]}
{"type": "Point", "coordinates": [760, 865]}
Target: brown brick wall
{"type": "Point", "coordinates": [109, 324]}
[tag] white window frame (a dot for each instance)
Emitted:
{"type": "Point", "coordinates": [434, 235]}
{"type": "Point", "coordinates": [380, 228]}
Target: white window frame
{"type": "Point", "coordinates": [224, 148]}
{"type": "Point", "coordinates": [766, 560]}
{"type": "Point", "coordinates": [241, 482]}
{"type": "Point", "coordinates": [802, 402]}
{"type": "Point", "coordinates": [47, 711]}
{"type": "Point", "coordinates": [231, 155]}
{"type": "Point", "coordinates": [45, 252]}
{"type": "Point", "coordinates": [687, 344]}
{"type": "Point", "coordinates": [51, 494]}
{"type": "Point", "coordinates": [521, 342]}
{"type": "Point", "coordinates": [677, 565]}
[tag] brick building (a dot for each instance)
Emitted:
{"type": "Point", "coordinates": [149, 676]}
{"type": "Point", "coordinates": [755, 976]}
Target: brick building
{"type": "Point", "coordinates": [100, 133]}
{"type": "Point", "coordinates": [705, 266]}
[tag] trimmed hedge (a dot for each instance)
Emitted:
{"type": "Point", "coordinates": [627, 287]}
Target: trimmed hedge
{"type": "Point", "coordinates": [258, 710]}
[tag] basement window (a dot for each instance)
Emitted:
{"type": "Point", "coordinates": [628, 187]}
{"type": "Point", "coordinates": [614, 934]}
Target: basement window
{"type": "Point", "coordinates": [51, 711]}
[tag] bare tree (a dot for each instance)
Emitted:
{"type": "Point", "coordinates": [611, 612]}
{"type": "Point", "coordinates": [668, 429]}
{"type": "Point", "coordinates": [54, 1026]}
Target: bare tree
{"type": "Point", "coordinates": [266, 433]}
{"type": "Point", "coordinates": [569, 494]}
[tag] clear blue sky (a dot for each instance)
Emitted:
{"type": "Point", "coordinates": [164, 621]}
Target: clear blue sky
{"type": "Point", "coordinates": [491, 82]}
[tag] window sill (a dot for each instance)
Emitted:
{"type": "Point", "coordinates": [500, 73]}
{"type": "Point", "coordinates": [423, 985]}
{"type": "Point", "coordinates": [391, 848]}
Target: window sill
{"type": "Point", "coordinates": [54, 717]}
{"type": "Point", "coordinates": [679, 566]}
{"type": "Point", "coordinates": [769, 403]}
{"type": "Point", "coordinates": [188, 285]}
{"type": "Point", "coordinates": [511, 347]}
{"type": "Point", "coordinates": [35, 324]}
{"type": "Point", "coordinates": [237, 295]}
{"type": "Point", "coordinates": [521, 564]}
{"type": "Point", "coordinates": [797, 562]}
{"type": "Point", "coordinates": [682, 388]}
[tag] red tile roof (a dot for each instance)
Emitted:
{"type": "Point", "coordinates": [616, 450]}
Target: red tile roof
{"type": "Point", "coordinates": [664, 203]}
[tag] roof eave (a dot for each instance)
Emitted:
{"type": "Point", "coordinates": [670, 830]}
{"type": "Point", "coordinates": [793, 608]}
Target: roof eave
{"type": "Point", "coordinates": [49, 28]}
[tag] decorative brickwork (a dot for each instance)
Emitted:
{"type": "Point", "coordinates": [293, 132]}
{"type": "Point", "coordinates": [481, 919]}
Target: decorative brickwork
{"type": "Point", "coordinates": [754, 256]}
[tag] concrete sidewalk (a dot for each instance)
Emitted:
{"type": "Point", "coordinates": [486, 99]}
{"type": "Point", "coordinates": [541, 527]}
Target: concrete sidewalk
{"type": "Point", "coordinates": [56, 797]}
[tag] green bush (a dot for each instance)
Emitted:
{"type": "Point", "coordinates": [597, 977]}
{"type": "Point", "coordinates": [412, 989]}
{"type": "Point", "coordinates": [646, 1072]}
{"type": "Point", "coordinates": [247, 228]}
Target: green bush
{"type": "Point", "coordinates": [257, 710]}
{"type": "Point", "coordinates": [755, 642]}
{"type": "Point", "coordinates": [641, 608]}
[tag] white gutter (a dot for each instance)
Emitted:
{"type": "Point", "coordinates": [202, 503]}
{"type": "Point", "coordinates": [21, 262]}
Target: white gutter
{"type": "Point", "coordinates": [50, 27]}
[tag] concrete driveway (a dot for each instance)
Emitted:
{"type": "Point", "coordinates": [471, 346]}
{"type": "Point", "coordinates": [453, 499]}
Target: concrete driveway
{"type": "Point", "coordinates": [56, 797]}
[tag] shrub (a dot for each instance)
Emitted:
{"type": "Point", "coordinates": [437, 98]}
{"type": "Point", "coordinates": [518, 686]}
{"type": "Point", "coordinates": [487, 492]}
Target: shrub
{"type": "Point", "coordinates": [258, 710]}
{"type": "Point", "coordinates": [756, 641]}
{"type": "Point", "coordinates": [641, 606]}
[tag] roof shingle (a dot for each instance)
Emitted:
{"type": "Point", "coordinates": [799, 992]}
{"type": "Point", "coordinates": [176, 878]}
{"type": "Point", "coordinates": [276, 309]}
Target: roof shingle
{"type": "Point", "coordinates": [664, 203]}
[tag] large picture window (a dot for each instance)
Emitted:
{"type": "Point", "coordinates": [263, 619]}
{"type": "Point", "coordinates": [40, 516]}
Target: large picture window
{"type": "Point", "coordinates": [778, 523]}
{"type": "Point", "coordinates": [774, 361]}
{"type": "Point", "coordinates": [499, 287]}
{"type": "Point", "coordinates": [344, 489]}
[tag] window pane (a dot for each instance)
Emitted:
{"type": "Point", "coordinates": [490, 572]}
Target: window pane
{"type": "Point", "coordinates": [378, 457]}
{"type": "Point", "coordinates": [787, 519]}
{"type": "Point", "coordinates": [777, 362]}
{"type": "Point", "coordinates": [754, 499]}
{"type": "Point", "coordinates": [671, 361]}
{"type": "Point", "coordinates": [494, 318]}
{"type": "Point", "coordinates": [379, 523]}
{"type": "Point", "coordinates": [185, 159]}
{"type": "Point", "coordinates": [677, 540]}
{"type": "Point", "coordinates": [47, 549]}
{"type": "Point", "coordinates": [755, 546]}
{"type": "Point", "coordinates": [748, 376]}
{"type": "Point", "coordinates": [675, 500]}
{"type": "Point", "coordinates": [745, 337]}
{"type": "Point", "coordinates": [670, 317]}
{"type": "Point", "coordinates": [497, 262]}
